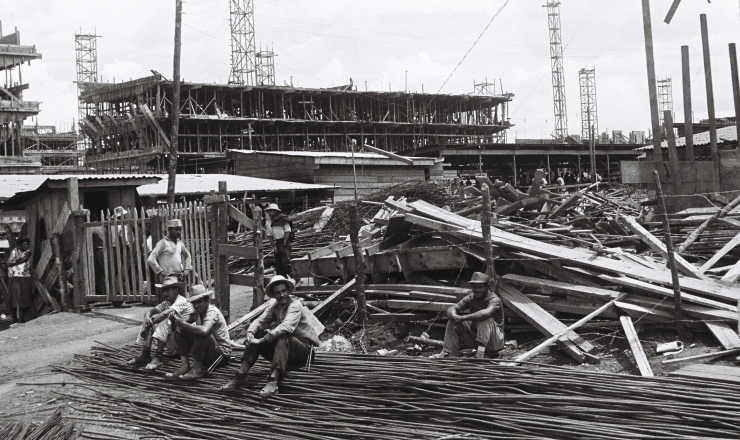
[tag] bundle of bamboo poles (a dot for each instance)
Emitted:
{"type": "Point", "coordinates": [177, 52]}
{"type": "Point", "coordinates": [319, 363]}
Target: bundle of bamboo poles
{"type": "Point", "coordinates": [54, 428]}
{"type": "Point", "coordinates": [347, 396]}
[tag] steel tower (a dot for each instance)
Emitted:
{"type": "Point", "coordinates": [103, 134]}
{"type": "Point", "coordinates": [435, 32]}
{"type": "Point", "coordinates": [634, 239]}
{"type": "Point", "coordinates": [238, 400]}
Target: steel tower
{"type": "Point", "coordinates": [265, 67]}
{"type": "Point", "coordinates": [665, 97]}
{"type": "Point", "coordinates": [589, 114]}
{"type": "Point", "coordinates": [558, 72]}
{"type": "Point", "coordinates": [86, 51]}
{"type": "Point", "coordinates": [241, 19]}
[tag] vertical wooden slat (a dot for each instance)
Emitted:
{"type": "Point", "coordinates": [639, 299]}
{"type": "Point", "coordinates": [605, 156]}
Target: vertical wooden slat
{"type": "Point", "coordinates": [202, 244]}
{"type": "Point", "coordinates": [140, 256]}
{"type": "Point", "coordinates": [128, 230]}
{"type": "Point", "coordinates": [194, 243]}
{"type": "Point", "coordinates": [191, 240]}
{"type": "Point", "coordinates": [207, 250]}
{"type": "Point", "coordinates": [106, 267]}
{"type": "Point", "coordinates": [117, 260]}
{"type": "Point", "coordinates": [145, 250]}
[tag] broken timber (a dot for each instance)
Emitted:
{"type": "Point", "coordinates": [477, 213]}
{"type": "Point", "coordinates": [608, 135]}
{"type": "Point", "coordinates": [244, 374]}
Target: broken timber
{"type": "Point", "coordinates": [642, 362]}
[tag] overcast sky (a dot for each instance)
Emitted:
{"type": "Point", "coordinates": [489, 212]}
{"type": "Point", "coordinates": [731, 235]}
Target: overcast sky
{"type": "Point", "coordinates": [323, 43]}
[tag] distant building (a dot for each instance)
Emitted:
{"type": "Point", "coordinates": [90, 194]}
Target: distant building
{"type": "Point", "coordinates": [637, 137]}
{"type": "Point", "coordinates": [617, 137]}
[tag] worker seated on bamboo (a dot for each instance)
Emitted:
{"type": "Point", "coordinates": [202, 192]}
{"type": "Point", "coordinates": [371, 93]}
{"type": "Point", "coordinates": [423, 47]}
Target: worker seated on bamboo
{"type": "Point", "coordinates": [156, 329]}
{"type": "Point", "coordinates": [482, 327]}
{"type": "Point", "coordinates": [285, 334]}
{"type": "Point", "coordinates": [206, 340]}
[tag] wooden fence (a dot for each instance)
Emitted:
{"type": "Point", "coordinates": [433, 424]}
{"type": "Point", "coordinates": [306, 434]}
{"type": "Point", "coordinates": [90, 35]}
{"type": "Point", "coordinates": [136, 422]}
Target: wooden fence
{"type": "Point", "coordinates": [127, 241]}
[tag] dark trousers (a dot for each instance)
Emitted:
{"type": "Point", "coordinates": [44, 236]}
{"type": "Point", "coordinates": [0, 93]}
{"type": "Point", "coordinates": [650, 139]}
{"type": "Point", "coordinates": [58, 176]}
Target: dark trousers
{"type": "Point", "coordinates": [283, 351]}
{"type": "Point", "coordinates": [99, 266]}
{"type": "Point", "coordinates": [202, 349]}
{"type": "Point", "coordinates": [282, 259]}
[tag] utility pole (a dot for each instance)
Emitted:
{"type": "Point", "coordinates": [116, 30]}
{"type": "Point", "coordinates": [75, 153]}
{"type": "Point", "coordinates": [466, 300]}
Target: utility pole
{"type": "Point", "coordinates": [175, 112]}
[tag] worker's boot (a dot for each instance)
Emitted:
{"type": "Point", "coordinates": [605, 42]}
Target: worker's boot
{"type": "Point", "coordinates": [270, 389]}
{"type": "Point", "coordinates": [236, 383]}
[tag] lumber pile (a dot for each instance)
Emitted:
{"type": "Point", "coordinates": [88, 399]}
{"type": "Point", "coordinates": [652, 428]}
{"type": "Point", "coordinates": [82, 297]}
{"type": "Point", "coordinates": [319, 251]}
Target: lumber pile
{"type": "Point", "coordinates": [421, 255]}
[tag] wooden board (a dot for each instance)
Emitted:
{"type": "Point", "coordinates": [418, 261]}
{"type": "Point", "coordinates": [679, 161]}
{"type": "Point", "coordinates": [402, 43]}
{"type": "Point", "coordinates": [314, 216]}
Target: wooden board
{"type": "Point", "coordinates": [716, 373]}
{"type": "Point", "coordinates": [725, 334]}
{"type": "Point", "coordinates": [334, 297]}
{"type": "Point", "coordinates": [637, 351]}
{"type": "Point", "coordinates": [253, 314]}
{"type": "Point", "coordinates": [720, 253]}
{"type": "Point", "coordinates": [539, 318]}
{"type": "Point", "coordinates": [548, 287]}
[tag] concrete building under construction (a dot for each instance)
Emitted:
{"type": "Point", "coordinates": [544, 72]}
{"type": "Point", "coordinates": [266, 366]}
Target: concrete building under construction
{"type": "Point", "coordinates": [130, 124]}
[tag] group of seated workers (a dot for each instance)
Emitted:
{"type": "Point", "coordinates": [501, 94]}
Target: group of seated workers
{"type": "Point", "coordinates": [286, 333]}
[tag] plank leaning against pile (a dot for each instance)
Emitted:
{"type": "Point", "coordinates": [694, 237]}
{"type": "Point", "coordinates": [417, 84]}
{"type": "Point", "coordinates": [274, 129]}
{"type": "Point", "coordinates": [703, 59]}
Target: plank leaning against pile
{"type": "Point", "coordinates": [482, 327]}
{"type": "Point", "coordinates": [170, 257]}
{"type": "Point", "coordinates": [284, 334]}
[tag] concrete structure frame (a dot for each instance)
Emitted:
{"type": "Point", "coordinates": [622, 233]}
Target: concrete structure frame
{"type": "Point", "coordinates": [589, 110]}
{"type": "Point", "coordinates": [489, 89]}
{"type": "Point", "coordinates": [241, 19]}
{"type": "Point", "coordinates": [132, 119]}
{"type": "Point", "coordinates": [558, 71]}
{"type": "Point", "coordinates": [57, 152]}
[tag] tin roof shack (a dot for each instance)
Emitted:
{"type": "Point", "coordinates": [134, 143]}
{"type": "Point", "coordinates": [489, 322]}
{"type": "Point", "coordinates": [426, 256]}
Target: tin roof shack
{"type": "Point", "coordinates": [290, 195]}
{"type": "Point", "coordinates": [374, 171]}
{"type": "Point", "coordinates": [43, 198]}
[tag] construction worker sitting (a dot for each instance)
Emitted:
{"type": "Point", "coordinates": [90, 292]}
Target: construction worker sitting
{"type": "Point", "coordinates": [285, 334]}
{"type": "Point", "coordinates": [206, 340]}
{"type": "Point", "coordinates": [156, 328]}
{"type": "Point", "coordinates": [482, 327]}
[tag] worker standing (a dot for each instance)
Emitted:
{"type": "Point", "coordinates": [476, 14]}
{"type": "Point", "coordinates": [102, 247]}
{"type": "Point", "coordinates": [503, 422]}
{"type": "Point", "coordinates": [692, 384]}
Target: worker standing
{"type": "Point", "coordinates": [21, 284]}
{"type": "Point", "coordinates": [280, 232]}
{"type": "Point", "coordinates": [170, 257]}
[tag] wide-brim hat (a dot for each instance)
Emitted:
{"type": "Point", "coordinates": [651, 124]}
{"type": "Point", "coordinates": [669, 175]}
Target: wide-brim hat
{"type": "Point", "coordinates": [277, 279]}
{"type": "Point", "coordinates": [171, 282]}
{"type": "Point", "coordinates": [119, 211]}
{"type": "Point", "coordinates": [479, 278]}
{"type": "Point", "coordinates": [200, 296]}
{"type": "Point", "coordinates": [273, 206]}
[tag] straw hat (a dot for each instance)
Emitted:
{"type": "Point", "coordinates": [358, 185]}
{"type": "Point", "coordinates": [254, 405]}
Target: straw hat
{"type": "Point", "coordinates": [279, 279]}
{"type": "Point", "coordinates": [479, 278]}
{"type": "Point", "coordinates": [197, 297]}
{"type": "Point", "coordinates": [174, 223]}
{"type": "Point", "coordinates": [273, 206]}
{"type": "Point", "coordinates": [118, 211]}
{"type": "Point", "coordinates": [171, 282]}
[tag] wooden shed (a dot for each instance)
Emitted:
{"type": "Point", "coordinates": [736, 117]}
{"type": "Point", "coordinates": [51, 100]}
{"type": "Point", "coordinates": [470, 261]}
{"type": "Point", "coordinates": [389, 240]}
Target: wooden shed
{"type": "Point", "coordinates": [374, 171]}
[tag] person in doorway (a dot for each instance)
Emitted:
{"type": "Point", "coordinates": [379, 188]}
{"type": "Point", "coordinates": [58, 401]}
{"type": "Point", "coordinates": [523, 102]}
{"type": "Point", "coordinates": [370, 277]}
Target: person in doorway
{"type": "Point", "coordinates": [206, 340]}
{"type": "Point", "coordinates": [482, 327]}
{"type": "Point", "coordinates": [21, 286]}
{"type": "Point", "coordinates": [98, 246]}
{"type": "Point", "coordinates": [279, 230]}
{"type": "Point", "coordinates": [156, 328]}
{"type": "Point", "coordinates": [170, 257]}
{"type": "Point", "coordinates": [285, 334]}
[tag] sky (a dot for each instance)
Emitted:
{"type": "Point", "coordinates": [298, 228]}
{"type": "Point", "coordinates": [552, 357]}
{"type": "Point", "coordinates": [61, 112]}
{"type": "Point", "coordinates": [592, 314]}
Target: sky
{"type": "Point", "coordinates": [323, 43]}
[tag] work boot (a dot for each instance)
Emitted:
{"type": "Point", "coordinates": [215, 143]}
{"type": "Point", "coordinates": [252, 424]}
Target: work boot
{"type": "Point", "coordinates": [236, 383]}
{"type": "Point", "coordinates": [270, 389]}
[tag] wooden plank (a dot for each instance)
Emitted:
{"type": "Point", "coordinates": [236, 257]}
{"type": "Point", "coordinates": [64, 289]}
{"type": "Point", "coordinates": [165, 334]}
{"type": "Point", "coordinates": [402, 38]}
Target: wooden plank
{"type": "Point", "coordinates": [334, 297]}
{"type": "Point", "coordinates": [715, 373]}
{"type": "Point", "coordinates": [725, 334]}
{"type": "Point", "coordinates": [575, 256]}
{"type": "Point", "coordinates": [637, 351]}
{"type": "Point", "coordinates": [567, 204]}
{"type": "Point", "coordinates": [549, 287]}
{"type": "Point", "coordinates": [407, 304]}
{"type": "Point", "coordinates": [534, 189]}
{"type": "Point", "coordinates": [388, 154]}
{"type": "Point", "coordinates": [663, 291]}
{"type": "Point", "coordinates": [252, 314]}
{"type": "Point", "coordinates": [656, 245]}
{"type": "Point", "coordinates": [703, 357]}
{"type": "Point", "coordinates": [397, 317]}
{"type": "Point", "coordinates": [241, 279]}
{"type": "Point", "coordinates": [240, 217]}
{"type": "Point", "coordinates": [539, 318]}
{"type": "Point", "coordinates": [45, 295]}
{"type": "Point", "coordinates": [721, 253]}
{"type": "Point", "coordinates": [559, 274]}
{"type": "Point", "coordinates": [733, 274]}
{"type": "Point", "coordinates": [109, 289]}
{"type": "Point", "coordinates": [145, 254]}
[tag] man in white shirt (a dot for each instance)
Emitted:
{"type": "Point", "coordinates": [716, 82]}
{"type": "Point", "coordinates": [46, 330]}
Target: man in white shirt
{"type": "Point", "coordinates": [206, 340]}
{"type": "Point", "coordinates": [170, 257]}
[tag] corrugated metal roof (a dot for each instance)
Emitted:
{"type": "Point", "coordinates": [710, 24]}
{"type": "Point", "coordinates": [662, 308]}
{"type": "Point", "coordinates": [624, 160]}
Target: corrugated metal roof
{"type": "Point", "coordinates": [724, 134]}
{"type": "Point", "coordinates": [12, 184]}
{"type": "Point", "coordinates": [319, 155]}
{"type": "Point", "coordinates": [195, 184]}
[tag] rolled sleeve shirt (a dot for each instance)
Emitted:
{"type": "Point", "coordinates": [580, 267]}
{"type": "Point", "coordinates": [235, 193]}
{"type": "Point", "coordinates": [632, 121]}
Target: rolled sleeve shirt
{"type": "Point", "coordinates": [295, 319]}
{"type": "Point", "coordinates": [169, 257]}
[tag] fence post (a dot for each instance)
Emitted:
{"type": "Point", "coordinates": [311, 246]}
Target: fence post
{"type": "Point", "coordinates": [62, 279]}
{"type": "Point", "coordinates": [354, 230]}
{"type": "Point", "coordinates": [258, 292]}
{"type": "Point", "coordinates": [222, 236]}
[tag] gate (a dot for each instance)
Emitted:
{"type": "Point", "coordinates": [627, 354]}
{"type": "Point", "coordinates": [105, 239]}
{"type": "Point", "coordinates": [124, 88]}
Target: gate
{"type": "Point", "coordinates": [116, 269]}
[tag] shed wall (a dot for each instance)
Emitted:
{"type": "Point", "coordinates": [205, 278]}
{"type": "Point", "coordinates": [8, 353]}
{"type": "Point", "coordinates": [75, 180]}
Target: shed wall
{"type": "Point", "coordinates": [369, 178]}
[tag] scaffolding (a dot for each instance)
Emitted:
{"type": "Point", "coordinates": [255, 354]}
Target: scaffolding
{"type": "Point", "coordinates": [489, 89]}
{"type": "Point", "coordinates": [558, 72]}
{"type": "Point", "coordinates": [589, 113]}
{"type": "Point", "coordinates": [665, 97]}
{"type": "Point", "coordinates": [86, 51]}
{"type": "Point", "coordinates": [241, 19]}
{"type": "Point", "coordinates": [265, 67]}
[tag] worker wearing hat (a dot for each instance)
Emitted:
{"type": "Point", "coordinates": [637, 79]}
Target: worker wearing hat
{"type": "Point", "coordinates": [279, 230]}
{"type": "Point", "coordinates": [206, 340]}
{"type": "Point", "coordinates": [170, 257]}
{"type": "Point", "coordinates": [477, 321]}
{"type": "Point", "coordinates": [156, 329]}
{"type": "Point", "coordinates": [285, 334]}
